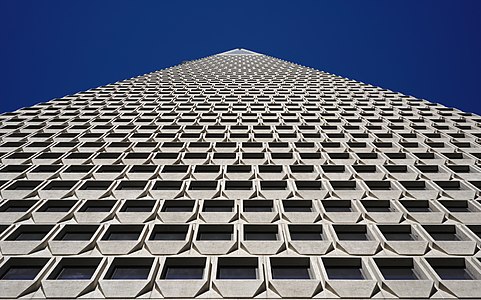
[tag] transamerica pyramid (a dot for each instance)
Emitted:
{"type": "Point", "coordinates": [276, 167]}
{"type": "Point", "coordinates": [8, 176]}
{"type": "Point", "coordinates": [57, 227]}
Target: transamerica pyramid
{"type": "Point", "coordinates": [240, 175]}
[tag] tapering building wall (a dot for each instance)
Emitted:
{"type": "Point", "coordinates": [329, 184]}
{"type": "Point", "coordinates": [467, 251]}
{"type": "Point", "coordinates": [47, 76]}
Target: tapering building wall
{"type": "Point", "coordinates": [239, 176]}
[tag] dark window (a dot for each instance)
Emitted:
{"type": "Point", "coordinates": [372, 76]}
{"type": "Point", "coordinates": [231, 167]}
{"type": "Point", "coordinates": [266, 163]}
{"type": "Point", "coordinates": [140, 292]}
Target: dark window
{"type": "Point", "coordinates": [414, 185]}
{"type": "Point", "coordinates": [77, 236]}
{"type": "Point", "coordinates": [175, 169]}
{"type": "Point", "coordinates": [273, 185]}
{"type": "Point", "coordinates": [215, 232]}
{"type": "Point", "coordinates": [239, 169]}
{"type": "Point", "coordinates": [24, 185]}
{"type": "Point", "coordinates": [453, 273]}
{"type": "Point", "coordinates": [57, 206]}
{"type": "Point", "coordinates": [218, 206]}
{"type": "Point", "coordinates": [302, 168]}
{"type": "Point", "coordinates": [260, 232]}
{"type": "Point", "coordinates": [76, 233]}
{"type": "Point", "coordinates": [138, 206]}
{"type": "Point", "coordinates": [452, 269]}
{"type": "Point", "coordinates": [345, 273]}
{"type": "Point", "coordinates": [443, 232]}
{"type": "Point", "coordinates": [130, 272]}
{"type": "Point", "coordinates": [30, 233]}
{"type": "Point", "coordinates": [378, 185]}
{"type": "Point", "coordinates": [17, 205]}
{"type": "Point", "coordinates": [111, 169]}
{"type": "Point", "coordinates": [308, 185]}
{"type": "Point", "coordinates": [75, 273]}
{"type": "Point", "coordinates": [203, 185]}
{"type": "Point", "coordinates": [377, 205]}
{"type": "Point", "coordinates": [397, 168]}
{"type": "Point", "coordinates": [130, 269]}
{"type": "Point", "coordinates": [46, 169]}
{"type": "Point", "coordinates": [398, 273]}
{"type": "Point", "coordinates": [351, 232]}
{"type": "Point", "coordinates": [123, 233]}
{"type": "Point", "coordinates": [167, 185]}
{"type": "Point", "coordinates": [333, 169]}
{"type": "Point", "coordinates": [96, 185]}
{"type": "Point", "coordinates": [183, 269]}
{"type": "Point", "coordinates": [238, 185]}
{"type": "Point", "coordinates": [207, 169]}
{"type": "Point", "coordinates": [476, 229]}
{"type": "Point", "coordinates": [457, 205]}
{"type": "Point", "coordinates": [237, 268]}
{"type": "Point", "coordinates": [445, 236]}
{"type": "Point", "coordinates": [59, 185]}
{"type": "Point", "coordinates": [21, 273]}
{"type": "Point", "coordinates": [131, 185]}
{"type": "Point", "coordinates": [78, 169]}
{"type": "Point", "coordinates": [169, 232]}
{"type": "Point", "coordinates": [305, 232]}
{"type": "Point", "coordinates": [258, 206]}
{"type": "Point", "coordinates": [22, 268]}
{"type": "Point", "coordinates": [297, 205]}
{"type": "Point", "coordinates": [142, 168]}
{"type": "Point", "coordinates": [364, 169]}
{"type": "Point", "coordinates": [343, 185]}
{"type": "Point", "coordinates": [337, 205]}
{"type": "Point", "coordinates": [399, 236]}
{"type": "Point", "coordinates": [416, 205]}
{"type": "Point", "coordinates": [184, 272]}
{"type": "Point", "coordinates": [97, 206]}
{"type": "Point", "coordinates": [286, 268]}
{"type": "Point", "coordinates": [178, 206]}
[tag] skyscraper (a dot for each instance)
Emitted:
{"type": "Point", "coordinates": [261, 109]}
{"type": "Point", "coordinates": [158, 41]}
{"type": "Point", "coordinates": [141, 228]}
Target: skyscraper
{"type": "Point", "coordinates": [240, 175]}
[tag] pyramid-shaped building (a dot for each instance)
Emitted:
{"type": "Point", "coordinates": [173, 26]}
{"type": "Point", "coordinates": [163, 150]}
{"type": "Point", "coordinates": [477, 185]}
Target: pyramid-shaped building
{"type": "Point", "coordinates": [240, 175]}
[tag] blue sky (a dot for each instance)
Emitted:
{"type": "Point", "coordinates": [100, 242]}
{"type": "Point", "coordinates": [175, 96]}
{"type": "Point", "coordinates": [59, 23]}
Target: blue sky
{"type": "Point", "coordinates": [429, 49]}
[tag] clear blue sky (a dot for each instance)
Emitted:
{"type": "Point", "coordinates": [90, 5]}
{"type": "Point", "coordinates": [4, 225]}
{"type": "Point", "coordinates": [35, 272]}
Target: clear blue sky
{"type": "Point", "coordinates": [429, 49]}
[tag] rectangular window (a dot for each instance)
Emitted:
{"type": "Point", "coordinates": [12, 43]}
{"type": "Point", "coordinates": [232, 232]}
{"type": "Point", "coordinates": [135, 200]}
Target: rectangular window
{"type": "Point", "coordinates": [261, 233]}
{"type": "Point", "coordinates": [306, 232]}
{"type": "Point", "coordinates": [130, 269]}
{"type": "Point", "coordinates": [258, 206]}
{"type": "Point", "coordinates": [337, 205]}
{"type": "Point", "coordinates": [398, 273]}
{"type": "Point", "coordinates": [218, 206]}
{"type": "Point", "coordinates": [130, 272]}
{"type": "Point", "coordinates": [21, 273]}
{"type": "Point", "coordinates": [351, 232]}
{"type": "Point", "coordinates": [240, 272]}
{"type": "Point", "coordinates": [75, 273]}
{"type": "Point", "coordinates": [290, 268]}
{"type": "Point", "coordinates": [22, 268]}
{"type": "Point", "coordinates": [30, 233]}
{"type": "Point", "coordinates": [215, 232]}
{"type": "Point", "coordinates": [178, 206]}
{"type": "Point", "coordinates": [123, 233]}
{"type": "Point", "coordinates": [98, 206]}
{"type": "Point", "coordinates": [77, 236]}
{"type": "Point", "coordinates": [297, 205]}
{"type": "Point", "coordinates": [183, 269]}
{"type": "Point", "coordinates": [169, 232]}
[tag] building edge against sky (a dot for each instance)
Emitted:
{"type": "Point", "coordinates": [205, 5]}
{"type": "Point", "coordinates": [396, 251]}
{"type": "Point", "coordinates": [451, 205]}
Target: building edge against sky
{"type": "Point", "coordinates": [239, 175]}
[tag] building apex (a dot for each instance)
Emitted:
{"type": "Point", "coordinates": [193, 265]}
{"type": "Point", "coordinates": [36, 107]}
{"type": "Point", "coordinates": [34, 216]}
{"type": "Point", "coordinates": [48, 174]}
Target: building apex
{"type": "Point", "coordinates": [239, 51]}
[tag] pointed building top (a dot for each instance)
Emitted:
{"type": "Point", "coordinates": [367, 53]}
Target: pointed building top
{"type": "Point", "coordinates": [239, 51]}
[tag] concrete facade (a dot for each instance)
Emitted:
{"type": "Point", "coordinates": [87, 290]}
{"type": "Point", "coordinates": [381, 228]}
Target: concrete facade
{"type": "Point", "coordinates": [240, 175]}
